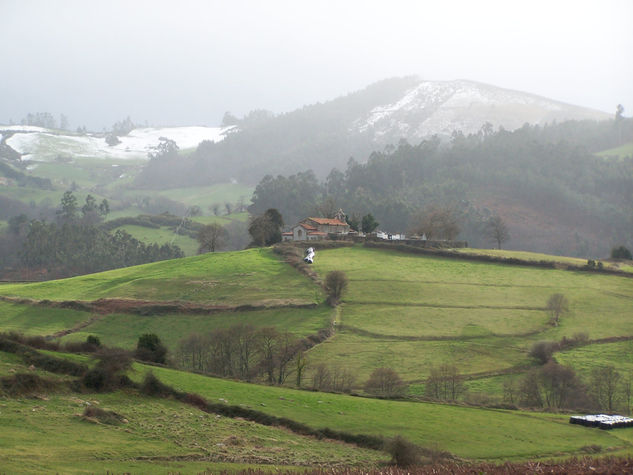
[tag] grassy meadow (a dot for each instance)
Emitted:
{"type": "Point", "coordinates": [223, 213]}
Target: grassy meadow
{"type": "Point", "coordinates": [472, 433]}
{"type": "Point", "coordinates": [410, 312]}
{"type": "Point", "coordinates": [404, 311]}
{"type": "Point", "coordinates": [230, 278]}
{"type": "Point", "coordinates": [49, 434]}
{"type": "Point", "coordinates": [123, 330]}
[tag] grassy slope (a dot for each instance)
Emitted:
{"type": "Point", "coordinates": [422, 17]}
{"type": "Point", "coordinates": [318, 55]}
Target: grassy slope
{"type": "Point", "coordinates": [33, 320]}
{"type": "Point", "coordinates": [478, 306]}
{"type": "Point", "coordinates": [622, 151]}
{"type": "Point", "coordinates": [48, 435]}
{"type": "Point", "coordinates": [534, 256]}
{"type": "Point", "coordinates": [163, 235]}
{"type": "Point", "coordinates": [254, 275]}
{"type": "Point", "coordinates": [466, 432]}
{"type": "Point", "coordinates": [123, 330]}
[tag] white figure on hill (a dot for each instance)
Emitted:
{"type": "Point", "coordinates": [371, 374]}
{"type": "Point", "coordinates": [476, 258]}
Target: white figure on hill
{"type": "Point", "coordinates": [309, 258]}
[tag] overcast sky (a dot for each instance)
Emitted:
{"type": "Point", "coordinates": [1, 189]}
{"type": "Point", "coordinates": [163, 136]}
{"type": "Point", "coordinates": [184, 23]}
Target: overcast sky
{"type": "Point", "coordinates": [187, 62]}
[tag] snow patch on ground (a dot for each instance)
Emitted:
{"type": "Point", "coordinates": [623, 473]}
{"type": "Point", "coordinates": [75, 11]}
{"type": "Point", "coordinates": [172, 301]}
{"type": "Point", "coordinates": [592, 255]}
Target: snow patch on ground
{"type": "Point", "coordinates": [441, 107]}
{"type": "Point", "coordinates": [43, 144]}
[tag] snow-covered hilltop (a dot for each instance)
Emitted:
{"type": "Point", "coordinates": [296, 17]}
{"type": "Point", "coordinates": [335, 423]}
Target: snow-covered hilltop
{"type": "Point", "coordinates": [442, 107]}
{"type": "Point", "coordinates": [44, 144]}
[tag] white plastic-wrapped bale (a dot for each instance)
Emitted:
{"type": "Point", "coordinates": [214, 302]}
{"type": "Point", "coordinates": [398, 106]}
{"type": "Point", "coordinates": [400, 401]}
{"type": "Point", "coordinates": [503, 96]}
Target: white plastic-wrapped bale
{"type": "Point", "coordinates": [603, 421]}
{"type": "Point", "coordinates": [309, 258]}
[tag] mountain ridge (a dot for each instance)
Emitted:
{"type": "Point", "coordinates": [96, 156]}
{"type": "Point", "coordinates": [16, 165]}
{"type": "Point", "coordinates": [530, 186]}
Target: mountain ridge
{"type": "Point", "coordinates": [434, 108]}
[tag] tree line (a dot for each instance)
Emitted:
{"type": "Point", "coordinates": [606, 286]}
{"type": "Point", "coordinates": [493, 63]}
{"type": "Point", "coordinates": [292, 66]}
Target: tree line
{"type": "Point", "coordinates": [551, 169]}
{"type": "Point", "coordinates": [244, 352]}
{"type": "Point", "coordinates": [77, 243]}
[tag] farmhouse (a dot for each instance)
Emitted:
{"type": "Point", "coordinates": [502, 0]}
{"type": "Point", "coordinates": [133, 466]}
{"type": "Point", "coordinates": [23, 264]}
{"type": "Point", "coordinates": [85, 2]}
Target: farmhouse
{"type": "Point", "coordinates": [313, 229]}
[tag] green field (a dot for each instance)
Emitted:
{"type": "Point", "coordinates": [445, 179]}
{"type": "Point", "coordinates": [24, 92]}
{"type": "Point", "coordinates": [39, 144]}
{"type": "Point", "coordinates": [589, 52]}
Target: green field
{"type": "Point", "coordinates": [409, 312]}
{"type": "Point", "coordinates": [37, 320]}
{"type": "Point", "coordinates": [48, 434]}
{"type": "Point", "coordinates": [467, 432]}
{"type": "Point", "coordinates": [231, 278]}
{"type": "Point", "coordinates": [535, 256]}
{"type": "Point", "coordinates": [205, 196]}
{"type": "Point", "coordinates": [163, 235]}
{"type": "Point", "coordinates": [166, 234]}
{"type": "Point", "coordinates": [123, 330]}
{"type": "Point", "coordinates": [622, 151]}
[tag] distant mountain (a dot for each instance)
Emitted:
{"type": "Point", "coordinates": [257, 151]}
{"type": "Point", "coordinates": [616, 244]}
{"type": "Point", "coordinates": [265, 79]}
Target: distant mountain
{"type": "Point", "coordinates": [317, 137]}
{"type": "Point", "coordinates": [443, 107]}
{"type": "Point", "coordinates": [325, 135]}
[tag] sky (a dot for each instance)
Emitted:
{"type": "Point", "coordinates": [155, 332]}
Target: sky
{"type": "Point", "coordinates": [185, 62]}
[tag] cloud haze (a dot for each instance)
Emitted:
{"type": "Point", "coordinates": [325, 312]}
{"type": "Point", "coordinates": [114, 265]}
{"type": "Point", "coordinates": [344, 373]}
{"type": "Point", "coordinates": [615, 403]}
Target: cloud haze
{"type": "Point", "coordinates": [187, 62]}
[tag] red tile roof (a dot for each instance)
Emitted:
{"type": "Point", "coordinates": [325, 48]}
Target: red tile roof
{"type": "Point", "coordinates": [317, 233]}
{"type": "Point", "coordinates": [307, 227]}
{"type": "Point", "coordinates": [328, 221]}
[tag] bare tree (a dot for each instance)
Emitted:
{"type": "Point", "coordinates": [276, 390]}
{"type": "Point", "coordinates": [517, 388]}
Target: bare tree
{"type": "Point", "coordinates": [436, 223]}
{"type": "Point", "coordinates": [211, 237]}
{"type": "Point", "coordinates": [301, 364]}
{"type": "Point", "coordinates": [335, 284]}
{"type": "Point", "coordinates": [509, 390]}
{"type": "Point", "coordinates": [605, 382]}
{"type": "Point", "coordinates": [326, 208]}
{"type": "Point", "coordinates": [557, 305]}
{"type": "Point", "coordinates": [627, 392]}
{"type": "Point", "coordinates": [385, 382]}
{"type": "Point", "coordinates": [343, 379]}
{"type": "Point", "coordinates": [444, 383]}
{"type": "Point", "coordinates": [497, 230]}
{"type": "Point", "coordinates": [321, 377]}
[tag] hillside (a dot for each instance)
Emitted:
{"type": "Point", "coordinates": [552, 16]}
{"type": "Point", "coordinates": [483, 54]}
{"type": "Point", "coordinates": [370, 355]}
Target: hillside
{"type": "Point", "coordinates": [325, 135]}
{"type": "Point", "coordinates": [409, 312]}
{"type": "Point", "coordinates": [443, 107]}
{"type": "Point", "coordinates": [40, 144]}
{"type": "Point", "coordinates": [403, 311]}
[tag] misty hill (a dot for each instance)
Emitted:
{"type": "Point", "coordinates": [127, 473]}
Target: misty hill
{"type": "Point", "coordinates": [442, 107]}
{"type": "Point", "coordinates": [325, 135]}
{"type": "Point", "coordinates": [38, 143]}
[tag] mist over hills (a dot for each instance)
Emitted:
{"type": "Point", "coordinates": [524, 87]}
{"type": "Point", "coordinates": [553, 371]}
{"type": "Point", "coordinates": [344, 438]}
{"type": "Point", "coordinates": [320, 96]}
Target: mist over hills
{"type": "Point", "coordinates": [325, 135]}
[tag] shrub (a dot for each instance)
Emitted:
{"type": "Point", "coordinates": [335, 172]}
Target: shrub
{"type": "Point", "coordinates": [335, 284]}
{"type": "Point", "coordinates": [153, 387]}
{"type": "Point", "coordinates": [543, 350]}
{"type": "Point", "coordinates": [621, 252]}
{"type": "Point", "coordinates": [108, 375]}
{"type": "Point", "coordinates": [150, 348]}
{"type": "Point", "coordinates": [21, 384]}
{"type": "Point", "coordinates": [403, 453]}
{"type": "Point", "coordinates": [93, 340]}
{"type": "Point", "coordinates": [385, 382]}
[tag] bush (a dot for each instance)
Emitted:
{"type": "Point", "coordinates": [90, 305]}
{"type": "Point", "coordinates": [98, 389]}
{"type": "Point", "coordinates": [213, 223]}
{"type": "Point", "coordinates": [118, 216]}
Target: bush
{"type": "Point", "coordinates": [543, 350]}
{"type": "Point", "coordinates": [385, 382]}
{"type": "Point", "coordinates": [93, 340]}
{"type": "Point", "coordinates": [153, 387]}
{"type": "Point", "coordinates": [150, 348]}
{"type": "Point", "coordinates": [335, 284]}
{"type": "Point", "coordinates": [621, 252]}
{"type": "Point", "coordinates": [108, 374]}
{"type": "Point", "coordinates": [403, 453]}
{"type": "Point", "coordinates": [21, 384]}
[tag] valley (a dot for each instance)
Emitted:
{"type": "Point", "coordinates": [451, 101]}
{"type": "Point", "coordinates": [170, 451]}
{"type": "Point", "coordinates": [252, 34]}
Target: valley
{"type": "Point", "coordinates": [408, 312]}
